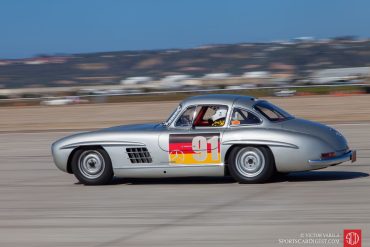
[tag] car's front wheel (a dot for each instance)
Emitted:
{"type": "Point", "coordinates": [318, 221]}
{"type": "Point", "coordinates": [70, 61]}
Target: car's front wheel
{"type": "Point", "coordinates": [92, 166]}
{"type": "Point", "coordinates": [249, 164]}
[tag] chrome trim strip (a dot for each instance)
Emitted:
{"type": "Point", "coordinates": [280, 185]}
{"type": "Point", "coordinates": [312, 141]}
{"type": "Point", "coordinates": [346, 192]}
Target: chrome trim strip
{"type": "Point", "coordinates": [168, 166]}
{"type": "Point", "coordinates": [261, 142]}
{"type": "Point", "coordinates": [102, 143]}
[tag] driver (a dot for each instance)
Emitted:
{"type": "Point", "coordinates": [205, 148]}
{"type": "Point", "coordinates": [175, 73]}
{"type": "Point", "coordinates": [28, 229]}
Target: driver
{"type": "Point", "coordinates": [218, 119]}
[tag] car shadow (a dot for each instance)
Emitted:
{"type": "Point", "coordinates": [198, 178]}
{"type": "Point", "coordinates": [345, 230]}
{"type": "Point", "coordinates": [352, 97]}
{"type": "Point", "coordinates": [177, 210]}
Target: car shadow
{"type": "Point", "coordinates": [312, 176]}
{"type": "Point", "coordinates": [308, 176]}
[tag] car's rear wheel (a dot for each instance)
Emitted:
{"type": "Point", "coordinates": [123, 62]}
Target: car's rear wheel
{"type": "Point", "coordinates": [249, 164]}
{"type": "Point", "coordinates": [92, 166]}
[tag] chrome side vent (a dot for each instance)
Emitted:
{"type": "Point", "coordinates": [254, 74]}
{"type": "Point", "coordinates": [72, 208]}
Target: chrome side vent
{"type": "Point", "coordinates": [139, 155]}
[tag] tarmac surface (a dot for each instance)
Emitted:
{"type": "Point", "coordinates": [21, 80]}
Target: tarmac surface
{"type": "Point", "coordinates": [42, 206]}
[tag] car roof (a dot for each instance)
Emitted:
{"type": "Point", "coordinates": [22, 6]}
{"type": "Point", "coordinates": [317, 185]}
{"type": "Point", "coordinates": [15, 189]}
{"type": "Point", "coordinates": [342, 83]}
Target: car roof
{"type": "Point", "coordinates": [222, 99]}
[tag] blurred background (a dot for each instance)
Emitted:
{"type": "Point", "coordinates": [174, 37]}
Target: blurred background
{"type": "Point", "coordinates": [74, 52]}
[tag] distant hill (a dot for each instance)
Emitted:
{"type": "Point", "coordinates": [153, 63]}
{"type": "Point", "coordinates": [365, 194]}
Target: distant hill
{"type": "Point", "coordinates": [297, 58]}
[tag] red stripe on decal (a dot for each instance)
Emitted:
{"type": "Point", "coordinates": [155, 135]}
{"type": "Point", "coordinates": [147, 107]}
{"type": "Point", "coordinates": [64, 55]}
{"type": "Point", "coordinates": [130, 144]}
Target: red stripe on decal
{"type": "Point", "coordinates": [187, 148]}
{"type": "Point", "coordinates": [184, 147]}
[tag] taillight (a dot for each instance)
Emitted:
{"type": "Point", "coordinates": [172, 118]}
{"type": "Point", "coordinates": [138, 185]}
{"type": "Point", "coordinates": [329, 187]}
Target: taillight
{"type": "Point", "coordinates": [327, 155]}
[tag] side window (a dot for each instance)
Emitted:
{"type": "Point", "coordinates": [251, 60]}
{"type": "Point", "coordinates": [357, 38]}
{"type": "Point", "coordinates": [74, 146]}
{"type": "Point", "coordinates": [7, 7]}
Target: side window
{"type": "Point", "coordinates": [240, 116]}
{"type": "Point", "coordinates": [211, 116]}
{"type": "Point", "coordinates": [269, 113]}
{"type": "Point", "coordinates": [272, 112]}
{"type": "Point", "coordinates": [187, 117]}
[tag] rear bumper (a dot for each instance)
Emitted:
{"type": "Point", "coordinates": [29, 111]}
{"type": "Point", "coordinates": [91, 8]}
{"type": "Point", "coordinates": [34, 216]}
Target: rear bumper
{"type": "Point", "coordinates": [350, 155]}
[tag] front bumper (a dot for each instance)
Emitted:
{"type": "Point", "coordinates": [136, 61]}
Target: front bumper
{"type": "Point", "coordinates": [350, 155]}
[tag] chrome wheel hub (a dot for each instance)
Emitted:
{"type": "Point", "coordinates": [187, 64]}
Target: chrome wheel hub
{"type": "Point", "coordinates": [91, 164]}
{"type": "Point", "coordinates": [250, 162]}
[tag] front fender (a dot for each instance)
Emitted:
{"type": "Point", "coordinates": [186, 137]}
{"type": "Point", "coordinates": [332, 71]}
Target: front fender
{"type": "Point", "coordinates": [63, 148]}
{"type": "Point", "coordinates": [60, 156]}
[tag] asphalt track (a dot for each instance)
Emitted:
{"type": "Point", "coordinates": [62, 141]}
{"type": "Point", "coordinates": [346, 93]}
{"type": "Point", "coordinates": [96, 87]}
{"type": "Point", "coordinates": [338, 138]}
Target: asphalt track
{"type": "Point", "coordinates": [42, 206]}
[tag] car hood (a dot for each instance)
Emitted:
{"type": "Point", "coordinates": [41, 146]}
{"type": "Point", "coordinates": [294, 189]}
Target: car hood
{"type": "Point", "coordinates": [329, 135]}
{"type": "Point", "coordinates": [131, 133]}
{"type": "Point", "coordinates": [133, 127]}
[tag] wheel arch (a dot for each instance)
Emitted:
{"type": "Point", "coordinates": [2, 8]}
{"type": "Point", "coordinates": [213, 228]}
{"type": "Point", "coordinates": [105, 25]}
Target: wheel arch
{"type": "Point", "coordinates": [228, 152]}
{"type": "Point", "coordinates": [70, 157]}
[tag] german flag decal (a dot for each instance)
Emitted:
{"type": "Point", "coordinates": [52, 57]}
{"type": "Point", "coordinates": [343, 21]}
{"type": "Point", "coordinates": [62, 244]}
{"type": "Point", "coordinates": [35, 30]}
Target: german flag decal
{"type": "Point", "coordinates": [194, 149]}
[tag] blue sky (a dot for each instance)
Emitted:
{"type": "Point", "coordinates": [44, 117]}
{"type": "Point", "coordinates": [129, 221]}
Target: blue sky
{"type": "Point", "coordinates": [31, 27]}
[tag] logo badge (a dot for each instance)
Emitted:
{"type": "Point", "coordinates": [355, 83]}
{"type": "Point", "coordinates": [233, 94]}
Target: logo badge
{"type": "Point", "coordinates": [177, 156]}
{"type": "Point", "coordinates": [352, 238]}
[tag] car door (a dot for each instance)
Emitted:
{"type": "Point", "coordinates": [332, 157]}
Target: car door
{"type": "Point", "coordinates": [189, 144]}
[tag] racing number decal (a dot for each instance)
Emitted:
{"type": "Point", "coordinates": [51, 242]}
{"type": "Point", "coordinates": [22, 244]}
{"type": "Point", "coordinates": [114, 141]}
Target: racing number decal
{"type": "Point", "coordinates": [200, 148]}
{"type": "Point", "coordinates": [194, 149]}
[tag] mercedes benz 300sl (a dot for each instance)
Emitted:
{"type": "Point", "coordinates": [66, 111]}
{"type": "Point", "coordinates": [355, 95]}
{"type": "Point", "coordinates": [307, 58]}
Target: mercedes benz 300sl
{"type": "Point", "coordinates": [211, 135]}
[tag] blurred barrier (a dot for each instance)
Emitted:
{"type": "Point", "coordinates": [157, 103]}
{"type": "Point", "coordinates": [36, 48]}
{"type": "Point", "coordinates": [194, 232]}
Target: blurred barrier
{"type": "Point", "coordinates": [176, 94]}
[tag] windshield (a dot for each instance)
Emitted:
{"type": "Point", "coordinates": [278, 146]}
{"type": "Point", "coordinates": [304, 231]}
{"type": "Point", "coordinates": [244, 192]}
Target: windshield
{"type": "Point", "coordinates": [272, 112]}
{"type": "Point", "coordinates": [173, 115]}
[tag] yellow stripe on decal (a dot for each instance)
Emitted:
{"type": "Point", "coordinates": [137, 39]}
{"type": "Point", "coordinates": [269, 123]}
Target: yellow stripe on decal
{"type": "Point", "coordinates": [178, 158]}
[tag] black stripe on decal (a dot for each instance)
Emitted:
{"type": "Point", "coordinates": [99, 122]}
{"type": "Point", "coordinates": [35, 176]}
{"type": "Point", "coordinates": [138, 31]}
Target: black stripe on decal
{"type": "Point", "coordinates": [186, 138]}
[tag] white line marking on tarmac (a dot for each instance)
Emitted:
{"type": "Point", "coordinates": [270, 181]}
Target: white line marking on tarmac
{"type": "Point", "coordinates": [350, 124]}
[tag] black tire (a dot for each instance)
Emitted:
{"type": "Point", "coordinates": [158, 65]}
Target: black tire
{"type": "Point", "coordinates": [92, 166]}
{"type": "Point", "coordinates": [250, 164]}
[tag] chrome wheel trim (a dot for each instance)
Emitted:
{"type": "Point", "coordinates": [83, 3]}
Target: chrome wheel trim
{"type": "Point", "coordinates": [91, 164]}
{"type": "Point", "coordinates": [250, 162]}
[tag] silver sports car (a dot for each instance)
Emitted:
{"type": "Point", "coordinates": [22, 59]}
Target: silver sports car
{"type": "Point", "coordinates": [210, 135]}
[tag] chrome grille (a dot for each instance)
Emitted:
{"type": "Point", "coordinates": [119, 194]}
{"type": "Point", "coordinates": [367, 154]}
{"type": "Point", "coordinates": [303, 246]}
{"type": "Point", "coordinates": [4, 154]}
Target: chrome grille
{"type": "Point", "coordinates": [139, 155]}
